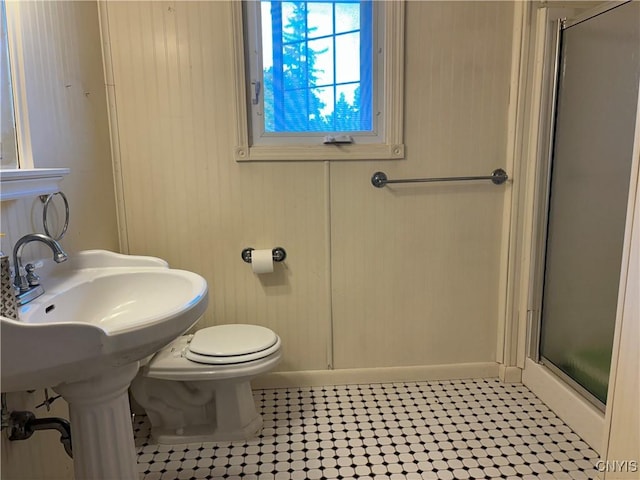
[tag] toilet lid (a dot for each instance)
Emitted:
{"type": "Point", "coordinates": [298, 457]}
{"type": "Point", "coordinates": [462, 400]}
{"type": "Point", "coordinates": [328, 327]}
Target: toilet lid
{"type": "Point", "coordinates": [232, 340]}
{"type": "Point", "coordinates": [171, 363]}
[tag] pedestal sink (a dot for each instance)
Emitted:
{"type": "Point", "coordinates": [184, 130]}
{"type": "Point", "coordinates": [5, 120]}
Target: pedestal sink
{"type": "Point", "coordinates": [101, 313]}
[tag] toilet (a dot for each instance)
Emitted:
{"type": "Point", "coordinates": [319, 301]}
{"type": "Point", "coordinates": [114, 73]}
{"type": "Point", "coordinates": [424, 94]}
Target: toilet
{"type": "Point", "coordinates": [197, 389]}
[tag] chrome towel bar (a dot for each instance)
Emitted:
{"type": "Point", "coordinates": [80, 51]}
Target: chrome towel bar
{"type": "Point", "coordinates": [498, 177]}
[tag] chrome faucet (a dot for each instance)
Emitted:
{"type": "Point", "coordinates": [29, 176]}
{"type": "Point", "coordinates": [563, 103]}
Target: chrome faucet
{"type": "Point", "coordinates": [28, 287]}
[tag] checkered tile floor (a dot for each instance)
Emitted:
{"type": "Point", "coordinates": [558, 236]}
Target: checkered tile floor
{"type": "Point", "coordinates": [455, 430]}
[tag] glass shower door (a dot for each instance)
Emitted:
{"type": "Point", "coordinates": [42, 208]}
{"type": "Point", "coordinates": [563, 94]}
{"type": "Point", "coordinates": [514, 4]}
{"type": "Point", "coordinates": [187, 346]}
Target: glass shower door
{"type": "Point", "coordinates": [590, 171]}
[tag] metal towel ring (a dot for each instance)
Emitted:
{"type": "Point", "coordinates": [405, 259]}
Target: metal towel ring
{"type": "Point", "coordinates": [45, 211]}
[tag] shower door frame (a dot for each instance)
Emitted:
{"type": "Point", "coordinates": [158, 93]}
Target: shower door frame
{"type": "Point", "coordinates": [546, 140]}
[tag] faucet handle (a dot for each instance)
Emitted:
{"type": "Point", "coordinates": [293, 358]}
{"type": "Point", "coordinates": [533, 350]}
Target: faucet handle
{"type": "Point", "coordinates": [32, 278]}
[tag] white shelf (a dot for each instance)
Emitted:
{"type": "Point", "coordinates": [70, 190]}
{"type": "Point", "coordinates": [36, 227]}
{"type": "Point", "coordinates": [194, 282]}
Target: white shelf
{"type": "Point", "coordinates": [30, 182]}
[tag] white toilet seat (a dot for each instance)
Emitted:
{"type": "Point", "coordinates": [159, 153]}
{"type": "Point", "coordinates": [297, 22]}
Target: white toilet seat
{"type": "Point", "coordinates": [173, 362]}
{"type": "Point", "coordinates": [229, 344]}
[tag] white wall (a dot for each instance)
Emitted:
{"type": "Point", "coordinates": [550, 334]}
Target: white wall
{"type": "Point", "coordinates": [373, 278]}
{"type": "Point", "coordinates": [622, 438]}
{"type": "Point", "coordinates": [622, 435]}
{"type": "Point", "coordinates": [69, 127]}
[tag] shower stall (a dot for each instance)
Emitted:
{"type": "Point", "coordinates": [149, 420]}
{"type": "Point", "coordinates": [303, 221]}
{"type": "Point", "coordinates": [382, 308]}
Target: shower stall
{"type": "Point", "coordinates": [592, 127]}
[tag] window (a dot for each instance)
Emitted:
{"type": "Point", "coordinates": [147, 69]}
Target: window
{"type": "Point", "coordinates": [322, 79]}
{"type": "Point", "coordinates": [18, 177]}
{"type": "Point", "coordinates": [8, 144]}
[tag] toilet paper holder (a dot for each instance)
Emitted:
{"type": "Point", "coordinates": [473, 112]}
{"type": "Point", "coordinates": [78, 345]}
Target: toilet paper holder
{"type": "Point", "coordinates": [279, 254]}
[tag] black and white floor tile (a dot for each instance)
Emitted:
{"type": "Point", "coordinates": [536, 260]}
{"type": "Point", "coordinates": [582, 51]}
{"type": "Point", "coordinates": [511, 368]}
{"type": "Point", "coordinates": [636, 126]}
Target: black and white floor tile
{"type": "Point", "coordinates": [444, 430]}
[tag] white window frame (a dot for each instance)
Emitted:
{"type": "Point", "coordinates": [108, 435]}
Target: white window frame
{"type": "Point", "coordinates": [389, 121]}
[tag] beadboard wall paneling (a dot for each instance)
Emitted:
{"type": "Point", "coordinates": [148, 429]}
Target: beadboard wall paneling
{"type": "Point", "coordinates": [416, 267]}
{"type": "Point", "coordinates": [69, 128]}
{"type": "Point", "coordinates": [185, 198]}
{"type": "Point", "coordinates": [415, 270]}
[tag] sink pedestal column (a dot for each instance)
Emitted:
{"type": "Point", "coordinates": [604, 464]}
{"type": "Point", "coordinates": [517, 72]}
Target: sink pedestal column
{"type": "Point", "coordinates": [101, 431]}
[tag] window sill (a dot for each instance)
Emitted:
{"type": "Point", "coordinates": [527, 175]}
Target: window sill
{"type": "Point", "coordinates": [267, 153]}
{"type": "Point", "coordinates": [30, 182]}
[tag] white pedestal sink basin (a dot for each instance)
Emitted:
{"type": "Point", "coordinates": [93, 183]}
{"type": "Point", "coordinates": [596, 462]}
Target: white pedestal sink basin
{"type": "Point", "coordinates": [100, 314]}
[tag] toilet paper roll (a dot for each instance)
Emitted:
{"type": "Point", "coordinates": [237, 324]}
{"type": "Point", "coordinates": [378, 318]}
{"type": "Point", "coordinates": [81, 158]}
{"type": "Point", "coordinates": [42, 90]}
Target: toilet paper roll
{"type": "Point", "coordinates": [262, 261]}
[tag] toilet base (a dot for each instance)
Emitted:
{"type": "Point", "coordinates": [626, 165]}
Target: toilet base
{"type": "Point", "coordinates": [236, 417]}
{"type": "Point", "coordinates": [205, 433]}
{"type": "Point", "coordinates": [198, 411]}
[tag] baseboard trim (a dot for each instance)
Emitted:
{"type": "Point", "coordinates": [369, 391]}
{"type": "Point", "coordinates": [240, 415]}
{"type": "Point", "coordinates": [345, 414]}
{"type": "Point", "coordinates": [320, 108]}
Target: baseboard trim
{"type": "Point", "coordinates": [510, 374]}
{"type": "Point", "coordinates": [314, 378]}
{"type": "Point", "coordinates": [580, 415]}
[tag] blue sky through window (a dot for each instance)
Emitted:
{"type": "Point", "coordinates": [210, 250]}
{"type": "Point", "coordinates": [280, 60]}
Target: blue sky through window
{"type": "Point", "coordinates": [317, 65]}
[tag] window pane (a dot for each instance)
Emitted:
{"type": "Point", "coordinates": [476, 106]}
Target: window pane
{"type": "Point", "coordinates": [348, 92]}
{"type": "Point", "coordinates": [348, 57]}
{"type": "Point", "coordinates": [268, 113]}
{"type": "Point", "coordinates": [295, 117]}
{"type": "Point", "coordinates": [319, 19]}
{"type": "Point", "coordinates": [321, 105]}
{"type": "Point", "coordinates": [311, 75]}
{"type": "Point", "coordinates": [294, 23]}
{"type": "Point", "coordinates": [294, 65]}
{"type": "Point", "coordinates": [347, 17]}
{"type": "Point", "coordinates": [347, 110]}
{"type": "Point", "coordinates": [320, 61]}
{"type": "Point", "coordinates": [325, 97]}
